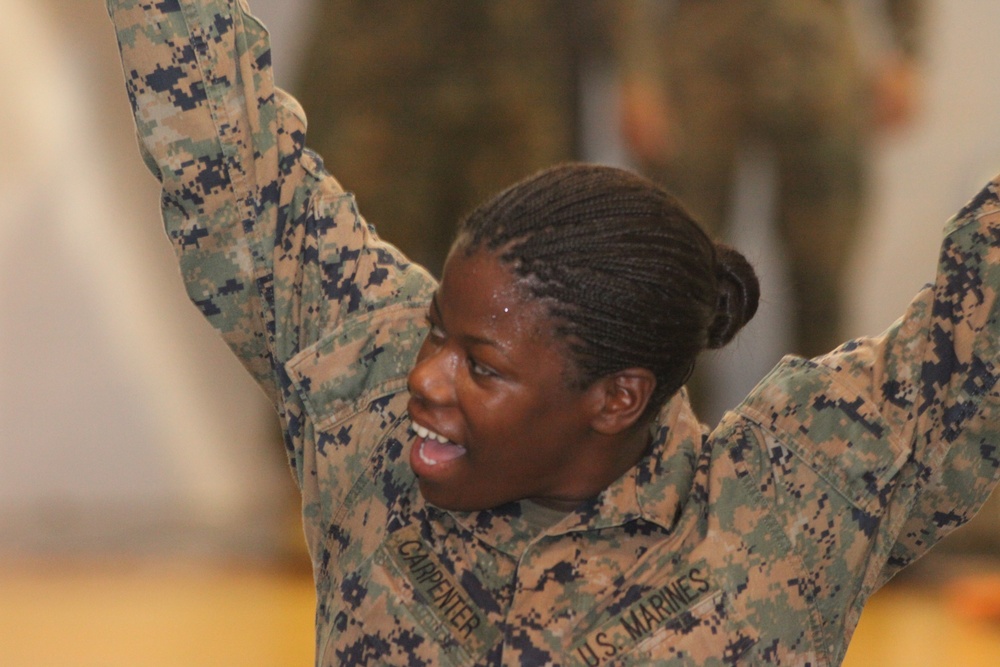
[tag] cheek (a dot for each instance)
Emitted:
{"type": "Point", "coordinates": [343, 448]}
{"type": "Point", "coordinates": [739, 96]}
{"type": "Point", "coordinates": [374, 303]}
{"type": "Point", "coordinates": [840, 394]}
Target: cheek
{"type": "Point", "coordinates": [492, 412]}
{"type": "Point", "coordinates": [511, 418]}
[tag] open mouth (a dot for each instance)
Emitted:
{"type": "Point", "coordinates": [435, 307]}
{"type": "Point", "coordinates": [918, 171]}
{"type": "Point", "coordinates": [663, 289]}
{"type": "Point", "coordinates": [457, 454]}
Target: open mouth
{"type": "Point", "coordinates": [433, 448]}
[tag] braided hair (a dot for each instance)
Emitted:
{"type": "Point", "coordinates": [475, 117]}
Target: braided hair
{"type": "Point", "coordinates": [630, 278]}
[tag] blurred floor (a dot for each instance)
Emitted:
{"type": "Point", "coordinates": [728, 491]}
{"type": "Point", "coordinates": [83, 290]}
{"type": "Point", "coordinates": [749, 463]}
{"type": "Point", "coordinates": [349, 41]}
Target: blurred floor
{"type": "Point", "coordinates": [913, 625]}
{"type": "Point", "coordinates": [192, 614]}
{"type": "Point", "coordinates": [187, 614]}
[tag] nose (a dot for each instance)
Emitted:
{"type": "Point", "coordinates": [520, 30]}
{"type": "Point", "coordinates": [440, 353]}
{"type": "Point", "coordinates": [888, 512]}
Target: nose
{"type": "Point", "coordinates": [432, 378]}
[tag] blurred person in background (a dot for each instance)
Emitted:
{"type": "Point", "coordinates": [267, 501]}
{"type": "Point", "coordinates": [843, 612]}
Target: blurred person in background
{"type": "Point", "coordinates": [423, 109]}
{"type": "Point", "coordinates": [808, 81]}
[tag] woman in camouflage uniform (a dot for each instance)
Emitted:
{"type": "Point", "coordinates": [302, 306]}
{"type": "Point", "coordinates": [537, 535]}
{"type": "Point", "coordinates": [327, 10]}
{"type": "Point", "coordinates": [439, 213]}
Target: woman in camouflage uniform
{"type": "Point", "coordinates": [501, 469]}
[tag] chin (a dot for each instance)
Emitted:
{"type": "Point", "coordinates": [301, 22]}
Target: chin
{"type": "Point", "coordinates": [452, 501]}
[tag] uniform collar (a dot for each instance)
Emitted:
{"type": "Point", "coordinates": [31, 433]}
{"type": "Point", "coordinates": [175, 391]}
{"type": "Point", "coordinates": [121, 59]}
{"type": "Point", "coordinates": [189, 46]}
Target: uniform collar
{"type": "Point", "coordinates": [654, 490]}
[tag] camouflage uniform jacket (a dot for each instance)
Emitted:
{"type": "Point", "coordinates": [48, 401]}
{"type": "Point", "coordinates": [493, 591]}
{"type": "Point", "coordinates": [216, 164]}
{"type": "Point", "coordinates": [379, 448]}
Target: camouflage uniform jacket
{"type": "Point", "coordinates": [756, 544]}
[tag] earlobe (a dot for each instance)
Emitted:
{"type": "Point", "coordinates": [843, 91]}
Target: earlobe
{"type": "Point", "coordinates": [624, 396]}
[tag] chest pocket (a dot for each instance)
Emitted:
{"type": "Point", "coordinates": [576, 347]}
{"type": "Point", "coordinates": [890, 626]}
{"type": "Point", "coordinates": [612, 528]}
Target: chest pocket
{"type": "Point", "coordinates": [836, 430]}
{"type": "Point", "coordinates": [368, 356]}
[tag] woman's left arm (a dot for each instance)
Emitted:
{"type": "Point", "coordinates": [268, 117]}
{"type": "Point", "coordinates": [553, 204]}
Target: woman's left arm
{"type": "Point", "coordinates": [944, 394]}
{"type": "Point", "coordinates": [866, 457]}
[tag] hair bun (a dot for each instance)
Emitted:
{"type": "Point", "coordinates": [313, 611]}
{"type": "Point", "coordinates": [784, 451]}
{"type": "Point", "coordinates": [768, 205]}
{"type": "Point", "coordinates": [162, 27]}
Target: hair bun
{"type": "Point", "coordinates": [739, 294]}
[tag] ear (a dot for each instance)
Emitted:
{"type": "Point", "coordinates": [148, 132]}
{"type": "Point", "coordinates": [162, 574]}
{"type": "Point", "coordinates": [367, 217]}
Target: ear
{"type": "Point", "coordinates": [622, 399]}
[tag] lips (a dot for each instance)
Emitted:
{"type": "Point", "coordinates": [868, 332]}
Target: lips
{"type": "Point", "coordinates": [432, 449]}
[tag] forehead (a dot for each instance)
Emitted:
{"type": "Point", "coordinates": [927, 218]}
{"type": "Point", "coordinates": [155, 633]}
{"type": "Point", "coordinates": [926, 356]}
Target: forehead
{"type": "Point", "coordinates": [478, 290]}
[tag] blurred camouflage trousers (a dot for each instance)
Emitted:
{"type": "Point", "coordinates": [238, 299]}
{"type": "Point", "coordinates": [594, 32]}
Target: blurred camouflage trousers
{"type": "Point", "coordinates": [786, 75]}
{"type": "Point", "coordinates": [424, 109]}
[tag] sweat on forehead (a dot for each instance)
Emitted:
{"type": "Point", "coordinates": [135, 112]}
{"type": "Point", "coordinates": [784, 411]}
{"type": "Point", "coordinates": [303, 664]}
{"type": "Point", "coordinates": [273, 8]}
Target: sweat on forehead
{"type": "Point", "coordinates": [481, 283]}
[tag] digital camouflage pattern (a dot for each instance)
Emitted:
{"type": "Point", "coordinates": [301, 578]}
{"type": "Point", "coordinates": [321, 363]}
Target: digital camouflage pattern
{"type": "Point", "coordinates": [755, 544]}
{"type": "Point", "coordinates": [791, 79]}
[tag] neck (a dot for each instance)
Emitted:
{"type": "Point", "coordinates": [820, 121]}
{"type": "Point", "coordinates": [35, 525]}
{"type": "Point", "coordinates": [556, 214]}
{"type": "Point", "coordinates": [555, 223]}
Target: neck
{"type": "Point", "coordinates": [622, 452]}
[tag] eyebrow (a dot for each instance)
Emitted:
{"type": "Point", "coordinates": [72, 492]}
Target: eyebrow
{"type": "Point", "coordinates": [475, 340]}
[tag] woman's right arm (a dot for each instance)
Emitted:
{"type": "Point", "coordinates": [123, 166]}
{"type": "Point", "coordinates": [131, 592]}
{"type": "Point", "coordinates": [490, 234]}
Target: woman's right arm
{"type": "Point", "coordinates": [208, 124]}
{"type": "Point", "coordinates": [272, 250]}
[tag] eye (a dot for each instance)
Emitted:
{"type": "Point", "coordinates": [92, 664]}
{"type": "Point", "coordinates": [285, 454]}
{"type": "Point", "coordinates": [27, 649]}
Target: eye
{"type": "Point", "coordinates": [481, 370]}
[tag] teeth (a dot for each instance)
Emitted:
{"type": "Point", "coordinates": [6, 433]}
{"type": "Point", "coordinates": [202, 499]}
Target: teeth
{"type": "Point", "coordinates": [423, 457]}
{"type": "Point", "coordinates": [427, 433]}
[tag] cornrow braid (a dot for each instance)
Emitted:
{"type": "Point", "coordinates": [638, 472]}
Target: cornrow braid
{"type": "Point", "coordinates": [631, 279]}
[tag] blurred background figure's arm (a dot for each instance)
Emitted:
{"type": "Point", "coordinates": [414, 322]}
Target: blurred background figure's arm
{"type": "Point", "coordinates": [896, 76]}
{"type": "Point", "coordinates": [645, 114]}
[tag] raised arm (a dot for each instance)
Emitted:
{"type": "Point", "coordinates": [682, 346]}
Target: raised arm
{"type": "Point", "coordinates": [207, 119]}
{"type": "Point", "coordinates": [272, 250]}
{"type": "Point", "coordinates": [897, 436]}
{"type": "Point", "coordinates": [951, 392]}
{"type": "Point", "coordinates": [868, 456]}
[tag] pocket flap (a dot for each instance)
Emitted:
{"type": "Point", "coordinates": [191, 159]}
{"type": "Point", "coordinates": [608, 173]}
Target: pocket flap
{"type": "Point", "coordinates": [367, 357]}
